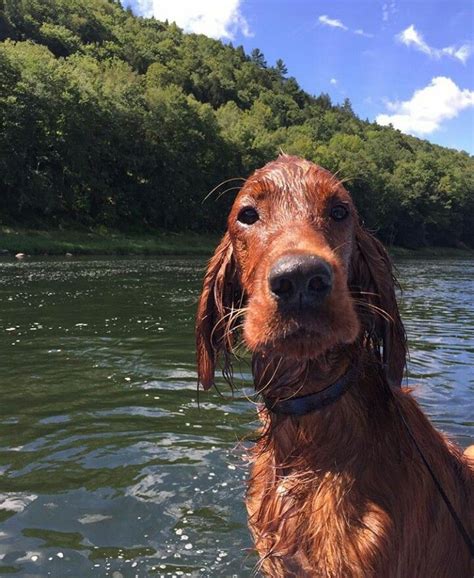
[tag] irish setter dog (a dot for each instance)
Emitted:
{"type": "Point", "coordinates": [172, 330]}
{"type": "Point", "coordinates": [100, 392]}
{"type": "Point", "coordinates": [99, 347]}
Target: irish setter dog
{"type": "Point", "coordinates": [338, 488]}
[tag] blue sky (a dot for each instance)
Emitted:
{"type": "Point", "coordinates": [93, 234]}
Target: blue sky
{"type": "Point", "coordinates": [405, 62]}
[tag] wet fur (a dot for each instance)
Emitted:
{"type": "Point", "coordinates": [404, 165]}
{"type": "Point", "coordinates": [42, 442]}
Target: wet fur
{"type": "Point", "coordinates": [338, 493]}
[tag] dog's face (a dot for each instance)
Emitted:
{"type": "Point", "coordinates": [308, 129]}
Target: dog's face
{"type": "Point", "coordinates": [301, 271]}
{"type": "Point", "coordinates": [292, 232]}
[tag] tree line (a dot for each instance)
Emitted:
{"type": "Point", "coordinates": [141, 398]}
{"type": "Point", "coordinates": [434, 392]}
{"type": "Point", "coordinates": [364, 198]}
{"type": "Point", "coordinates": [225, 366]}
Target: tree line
{"type": "Point", "coordinates": [107, 118]}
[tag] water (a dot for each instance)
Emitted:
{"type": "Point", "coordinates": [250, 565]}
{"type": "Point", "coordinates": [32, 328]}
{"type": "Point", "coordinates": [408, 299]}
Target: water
{"type": "Point", "coordinates": [107, 465]}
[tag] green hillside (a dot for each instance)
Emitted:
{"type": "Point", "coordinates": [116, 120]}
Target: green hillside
{"type": "Point", "coordinates": [109, 119]}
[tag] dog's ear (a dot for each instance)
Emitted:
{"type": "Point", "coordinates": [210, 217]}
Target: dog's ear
{"type": "Point", "coordinates": [220, 296]}
{"type": "Point", "coordinates": [373, 283]}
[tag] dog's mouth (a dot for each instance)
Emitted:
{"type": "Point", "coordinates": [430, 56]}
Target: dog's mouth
{"type": "Point", "coordinates": [301, 334]}
{"type": "Point", "coordinates": [301, 343]}
{"type": "Point", "coordinates": [299, 329]}
{"type": "Point", "coordinates": [291, 337]}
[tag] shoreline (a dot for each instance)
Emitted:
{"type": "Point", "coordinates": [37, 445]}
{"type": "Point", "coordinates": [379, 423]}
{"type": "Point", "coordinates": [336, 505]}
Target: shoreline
{"type": "Point", "coordinates": [102, 241]}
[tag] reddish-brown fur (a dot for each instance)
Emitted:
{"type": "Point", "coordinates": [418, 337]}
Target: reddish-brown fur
{"type": "Point", "coordinates": [341, 492]}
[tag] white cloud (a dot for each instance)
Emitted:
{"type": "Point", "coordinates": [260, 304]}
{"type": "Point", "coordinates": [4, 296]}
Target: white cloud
{"type": "Point", "coordinates": [423, 114]}
{"type": "Point", "coordinates": [388, 9]}
{"type": "Point", "coordinates": [333, 81]}
{"type": "Point", "coordinates": [335, 23]}
{"type": "Point", "coordinates": [411, 37]}
{"type": "Point", "coordinates": [214, 18]}
{"type": "Point", "coordinates": [332, 22]}
{"type": "Point", "coordinates": [462, 53]}
{"type": "Point", "coordinates": [360, 32]}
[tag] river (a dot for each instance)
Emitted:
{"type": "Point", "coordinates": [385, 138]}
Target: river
{"type": "Point", "coordinates": [108, 466]}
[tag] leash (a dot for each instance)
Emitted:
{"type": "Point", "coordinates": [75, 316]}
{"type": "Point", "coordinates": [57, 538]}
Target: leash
{"type": "Point", "coordinates": [457, 520]}
{"type": "Point", "coordinates": [454, 515]}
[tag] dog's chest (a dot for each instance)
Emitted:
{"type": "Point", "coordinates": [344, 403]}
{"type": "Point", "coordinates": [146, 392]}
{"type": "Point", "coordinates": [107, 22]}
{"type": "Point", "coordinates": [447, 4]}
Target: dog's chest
{"type": "Point", "coordinates": [316, 525]}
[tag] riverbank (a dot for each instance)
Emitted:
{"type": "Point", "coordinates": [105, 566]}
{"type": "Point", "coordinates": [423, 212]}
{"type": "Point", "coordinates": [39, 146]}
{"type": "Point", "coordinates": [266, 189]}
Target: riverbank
{"type": "Point", "coordinates": [109, 242]}
{"type": "Point", "coordinates": [103, 242]}
{"type": "Point", "coordinates": [432, 252]}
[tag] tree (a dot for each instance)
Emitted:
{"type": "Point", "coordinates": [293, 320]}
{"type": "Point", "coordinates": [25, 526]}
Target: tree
{"type": "Point", "coordinates": [258, 58]}
{"type": "Point", "coordinates": [281, 68]}
{"type": "Point", "coordinates": [108, 118]}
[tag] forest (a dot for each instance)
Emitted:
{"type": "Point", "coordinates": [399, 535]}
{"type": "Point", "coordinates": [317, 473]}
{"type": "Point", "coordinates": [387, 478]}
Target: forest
{"type": "Point", "coordinates": [111, 119]}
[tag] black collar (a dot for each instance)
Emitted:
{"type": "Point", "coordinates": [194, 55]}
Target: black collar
{"type": "Point", "coordinates": [313, 401]}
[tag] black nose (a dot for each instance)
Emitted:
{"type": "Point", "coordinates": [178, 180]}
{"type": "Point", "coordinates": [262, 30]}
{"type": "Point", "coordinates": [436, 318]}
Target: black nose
{"type": "Point", "coordinates": [300, 281]}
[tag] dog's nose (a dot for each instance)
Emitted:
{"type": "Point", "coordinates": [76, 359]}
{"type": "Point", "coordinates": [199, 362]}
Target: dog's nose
{"type": "Point", "coordinates": [300, 281]}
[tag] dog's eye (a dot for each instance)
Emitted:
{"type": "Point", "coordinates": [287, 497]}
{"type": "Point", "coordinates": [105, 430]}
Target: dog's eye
{"type": "Point", "coordinates": [339, 212]}
{"type": "Point", "coordinates": [248, 216]}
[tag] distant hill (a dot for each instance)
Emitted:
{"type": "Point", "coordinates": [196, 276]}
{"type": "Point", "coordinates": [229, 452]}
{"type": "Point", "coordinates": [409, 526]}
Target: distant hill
{"type": "Point", "coordinates": [107, 118]}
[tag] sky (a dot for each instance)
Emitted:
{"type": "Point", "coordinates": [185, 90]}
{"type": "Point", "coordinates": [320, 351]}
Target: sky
{"type": "Point", "coordinates": [409, 63]}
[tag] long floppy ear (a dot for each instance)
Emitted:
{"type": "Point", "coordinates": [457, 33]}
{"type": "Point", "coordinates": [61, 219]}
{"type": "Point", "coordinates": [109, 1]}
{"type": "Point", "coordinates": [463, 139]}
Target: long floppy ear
{"type": "Point", "coordinates": [220, 293]}
{"type": "Point", "coordinates": [373, 280]}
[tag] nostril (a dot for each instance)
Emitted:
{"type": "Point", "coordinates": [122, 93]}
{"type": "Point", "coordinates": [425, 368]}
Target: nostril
{"type": "Point", "coordinates": [319, 284]}
{"type": "Point", "coordinates": [282, 286]}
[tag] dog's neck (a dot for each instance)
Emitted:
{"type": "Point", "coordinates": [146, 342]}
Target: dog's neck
{"type": "Point", "coordinates": [278, 377]}
{"type": "Point", "coordinates": [334, 435]}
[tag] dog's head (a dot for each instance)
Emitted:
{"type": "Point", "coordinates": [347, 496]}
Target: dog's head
{"type": "Point", "coordinates": [298, 275]}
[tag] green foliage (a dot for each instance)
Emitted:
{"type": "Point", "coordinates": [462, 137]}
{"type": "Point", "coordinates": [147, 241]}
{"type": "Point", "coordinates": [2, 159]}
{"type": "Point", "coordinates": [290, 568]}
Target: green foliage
{"type": "Point", "coordinates": [108, 119]}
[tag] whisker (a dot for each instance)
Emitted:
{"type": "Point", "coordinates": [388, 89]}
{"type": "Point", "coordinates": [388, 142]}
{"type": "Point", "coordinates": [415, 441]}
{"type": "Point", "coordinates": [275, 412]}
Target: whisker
{"type": "Point", "coordinates": [341, 245]}
{"type": "Point", "coordinates": [227, 191]}
{"type": "Point", "coordinates": [220, 185]}
{"type": "Point", "coordinates": [384, 314]}
{"type": "Point", "coordinates": [348, 179]}
{"type": "Point", "coordinates": [267, 384]}
{"type": "Point", "coordinates": [294, 393]}
{"type": "Point", "coordinates": [364, 293]}
{"type": "Point", "coordinates": [335, 175]}
{"type": "Point", "coordinates": [233, 312]}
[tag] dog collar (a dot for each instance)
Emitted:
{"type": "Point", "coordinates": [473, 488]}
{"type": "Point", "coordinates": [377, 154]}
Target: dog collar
{"type": "Point", "coordinates": [313, 401]}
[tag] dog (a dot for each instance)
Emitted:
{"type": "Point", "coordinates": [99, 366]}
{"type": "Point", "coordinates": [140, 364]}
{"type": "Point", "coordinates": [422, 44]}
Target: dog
{"type": "Point", "coordinates": [349, 478]}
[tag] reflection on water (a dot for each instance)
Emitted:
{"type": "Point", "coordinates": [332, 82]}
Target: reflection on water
{"type": "Point", "coordinates": [108, 466]}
